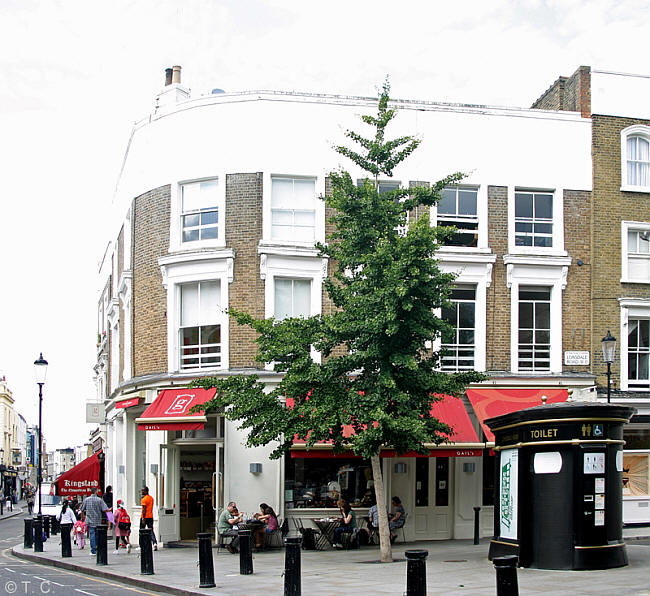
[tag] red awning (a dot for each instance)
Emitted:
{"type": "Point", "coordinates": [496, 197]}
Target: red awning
{"type": "Point", "coordinates": [170, 410]}
{"type": "Point", "coordinates": [463, 441]}
{"type": "Point", "coordinates": [80, 479]}
{"type": "Point", "coordinates": [488, 402]}
{"type": "Point", "coordinates": [127, 403]}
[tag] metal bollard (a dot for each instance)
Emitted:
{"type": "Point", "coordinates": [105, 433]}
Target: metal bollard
{"type": "Point", "coordinates": [506, 568]}
{"type": "Point", "coordinates": [206, 564]}
{"type": "Point", "coordinates": [476, 524]}
{"type": "Point", "coordinates": [46, 525]}
{"type": "Point", "coordinates": [28, 541]}
{"type": "Point", "coordinates": [416, 572]}
{"type": "Point", "coordinates": [66, 544]}
{"type": "Point", "coordinates": [292, 566]}
{"type": "Point", "coordinates": [101, 535]}
{"type": "Point", "coordinates": [245, 553]}
{"type": "Point", "coordinates": [146, 552]}
{"type": "Point", "coordinates": [55, 526]}
{"type": "Point", "coordinates": [37, 524]}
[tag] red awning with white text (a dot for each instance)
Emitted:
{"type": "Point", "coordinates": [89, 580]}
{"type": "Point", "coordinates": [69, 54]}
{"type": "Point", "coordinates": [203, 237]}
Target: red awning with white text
{"type": "Point", "coordinates": [170, 410]}
{"type": "Point", "coordinates": [463, 441]}
{"type": "Point", "coordinates": [80, 479]}
{"type": "Point", "coordinates": [489, 402]}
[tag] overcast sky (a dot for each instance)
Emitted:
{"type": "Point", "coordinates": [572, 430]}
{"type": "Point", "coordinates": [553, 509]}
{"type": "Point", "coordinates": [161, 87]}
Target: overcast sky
{"type": "Point", "coordinates": [77, 73]}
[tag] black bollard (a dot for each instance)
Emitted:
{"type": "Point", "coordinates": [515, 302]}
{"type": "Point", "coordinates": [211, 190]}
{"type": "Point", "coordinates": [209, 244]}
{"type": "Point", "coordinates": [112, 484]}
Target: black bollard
{"type": "Point", "coordinates": [206, 564]}
{"type": "Point", "coordinates": [476, 524]}
{"type": "Point", "coordinates": [28, 541]}
{"type": "Point", "coordinates": [66, 544]}
{"type": "Point", "coordinates": [46, 525]}
{"type": "Point", "coordinates": [37, 524]}
{"type": "Point", "coordinates": [245, 553]}
{"type": "Point", "coordinates": [101, 535]}
{"type": "Point", "coordinates": [506, 568]}
{"type": "Point", "coordinates": [55, 526]}
{"type": "Point", "coordinates": [416, 572]}
{"type": "Point", "coordinates": [146, 552]}
{"type": "Point", "coordinates": [292, 566]}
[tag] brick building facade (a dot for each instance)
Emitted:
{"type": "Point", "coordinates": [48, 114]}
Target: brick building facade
{"type": "Point", "coordinates": [209, 218]}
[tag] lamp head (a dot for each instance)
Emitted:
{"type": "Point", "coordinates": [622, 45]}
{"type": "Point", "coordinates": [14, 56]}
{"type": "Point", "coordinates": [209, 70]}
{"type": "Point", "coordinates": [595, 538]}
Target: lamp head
{"type": "Point", "coordinates": [609, 347]}
{"type": "Point", "coordinates": [40, 369]}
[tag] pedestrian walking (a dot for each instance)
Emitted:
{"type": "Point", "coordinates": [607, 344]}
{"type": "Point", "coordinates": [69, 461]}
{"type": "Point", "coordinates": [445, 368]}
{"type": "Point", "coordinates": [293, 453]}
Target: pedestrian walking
{"type": "Point", "coordinates": [80, 528]}
{"type": "Point", "coordinates": [122, 528]}
{"type": "Point", "coordinates": [108, 499]}
{"type": "Point", "coordinates": [30, 501]}
{"type": "Point", "coordinates": [94, 508]}
{"type": "Point", "coordinates": [146, 521]}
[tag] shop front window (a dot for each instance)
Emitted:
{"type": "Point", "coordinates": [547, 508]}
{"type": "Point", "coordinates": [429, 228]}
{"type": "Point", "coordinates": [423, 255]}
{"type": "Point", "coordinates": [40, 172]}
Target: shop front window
{"type": "Point", "coordinates": [320, 482]}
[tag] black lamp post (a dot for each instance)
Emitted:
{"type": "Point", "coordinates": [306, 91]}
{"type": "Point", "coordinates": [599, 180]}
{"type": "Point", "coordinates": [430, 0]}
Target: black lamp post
{"type": "Point", "coordinates": [609, 350]}
{"type": "Point", "coordinates": [40, 372]}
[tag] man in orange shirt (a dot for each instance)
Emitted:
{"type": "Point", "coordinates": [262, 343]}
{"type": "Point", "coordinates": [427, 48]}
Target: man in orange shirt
{"type": "Point", "coordinates": [146, 520]}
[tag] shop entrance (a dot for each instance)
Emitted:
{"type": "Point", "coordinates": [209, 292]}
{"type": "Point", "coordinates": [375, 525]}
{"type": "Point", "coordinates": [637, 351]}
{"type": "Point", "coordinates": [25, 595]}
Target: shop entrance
{"type": "Point", "coordinates": [433, 478]}
{"type": "Point", "coordinates": [197, 467]}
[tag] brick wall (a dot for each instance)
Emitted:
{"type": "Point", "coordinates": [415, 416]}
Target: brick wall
{"type": "Point", "coordinates": [151, 231]}
{"type": "Point", "coordinates": [576, 310]}
{"type": "Point", "coordinates": [611, 206]}
{"type": "Point", "coordinates": [572, 94]}
{"type": "Point", "coordinates": [243, 232]}
{"type": "Point", "coordinates": [498, 295]}
{"type": "Point", "coordinates": [120, 270]}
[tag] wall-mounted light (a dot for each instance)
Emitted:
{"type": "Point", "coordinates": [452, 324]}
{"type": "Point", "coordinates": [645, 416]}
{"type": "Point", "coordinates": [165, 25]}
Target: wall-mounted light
{"type": "Point", "coordinates": [469, 467]}
{"type": "Point", "coordinates": [154, 469]}
{"type": "Point", "coordinates": [256, 468]}
{"type": "Point", "coordinates": [400, 468]}
{"type": "Point", "coordinates": [121, 469]}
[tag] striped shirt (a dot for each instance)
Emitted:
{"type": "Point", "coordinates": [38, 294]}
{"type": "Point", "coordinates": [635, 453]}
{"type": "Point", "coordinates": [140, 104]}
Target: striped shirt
{"type": "Point", "coordinates": [94, 507]}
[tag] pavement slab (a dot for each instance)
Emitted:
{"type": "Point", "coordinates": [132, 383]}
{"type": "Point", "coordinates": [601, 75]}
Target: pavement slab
{"type": "Point", "coordinates": [454, 567]}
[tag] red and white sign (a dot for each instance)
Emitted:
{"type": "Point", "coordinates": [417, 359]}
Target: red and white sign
{"type": "Point", "coordinates": [171, 410]}
{"type": "Point", "coordinates": [127, 403]}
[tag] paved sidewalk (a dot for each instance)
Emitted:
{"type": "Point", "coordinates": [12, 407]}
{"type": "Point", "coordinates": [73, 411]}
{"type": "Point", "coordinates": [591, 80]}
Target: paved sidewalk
{"type": "Point", "coordinates": [454, 567]}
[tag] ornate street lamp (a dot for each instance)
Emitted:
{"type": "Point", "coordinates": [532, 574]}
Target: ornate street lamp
{"type": "Point", "coordinates": [40, 372]}
{"type": "Point", "coordinates": [609, 351]}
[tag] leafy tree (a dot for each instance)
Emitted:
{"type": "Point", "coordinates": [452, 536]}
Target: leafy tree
{"type": "Point", "coordinates": [376, 377]}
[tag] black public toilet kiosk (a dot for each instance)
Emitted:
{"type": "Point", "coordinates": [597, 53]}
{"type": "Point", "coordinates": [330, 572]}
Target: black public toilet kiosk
{"type": "Point", "coordinates": [559, 483]}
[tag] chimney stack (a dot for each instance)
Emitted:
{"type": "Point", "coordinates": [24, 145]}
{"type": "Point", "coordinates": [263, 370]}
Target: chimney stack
{"type": "Point", "coordinates": [168, 76]}
{"type": "Point", "coordinates": [176, 74]}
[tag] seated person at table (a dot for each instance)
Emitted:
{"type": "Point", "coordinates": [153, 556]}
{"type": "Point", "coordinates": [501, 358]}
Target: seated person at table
{"type": "Point", "coordinates": [397, 518]}
{"type": "Point", "coordinates": [347, 524]}
{"type": "Point", "coordinates": [228, 519]}
{"type": "Point", "coordinates": [270, 520]}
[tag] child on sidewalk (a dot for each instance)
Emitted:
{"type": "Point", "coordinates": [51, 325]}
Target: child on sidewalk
{"type": "Point", "coordinates": [79, 530]}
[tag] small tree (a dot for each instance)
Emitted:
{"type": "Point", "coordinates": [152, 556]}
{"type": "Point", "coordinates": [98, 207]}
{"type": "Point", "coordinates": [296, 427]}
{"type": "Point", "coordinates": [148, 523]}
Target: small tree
{"type": "Point", "coordinates": [375, 375]}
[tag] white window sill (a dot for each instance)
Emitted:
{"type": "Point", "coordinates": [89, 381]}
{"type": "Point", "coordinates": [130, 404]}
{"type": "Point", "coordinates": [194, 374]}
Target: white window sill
{"type": "Point", "coordinates": [635, 281]}
{"type": "Point", "coordinates": [628, 188]}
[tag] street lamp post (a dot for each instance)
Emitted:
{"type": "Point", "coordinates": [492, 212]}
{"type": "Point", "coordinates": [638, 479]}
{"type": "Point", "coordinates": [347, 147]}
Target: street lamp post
{"type": "Point", "coordinates": [609, 350]}
{"type": "Point", "coordinates": [40, 372]}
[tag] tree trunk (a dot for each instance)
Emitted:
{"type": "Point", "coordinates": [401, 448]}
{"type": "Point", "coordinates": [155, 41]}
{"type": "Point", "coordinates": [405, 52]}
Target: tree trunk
{"type": "Point", "coordinates": [384, 532]}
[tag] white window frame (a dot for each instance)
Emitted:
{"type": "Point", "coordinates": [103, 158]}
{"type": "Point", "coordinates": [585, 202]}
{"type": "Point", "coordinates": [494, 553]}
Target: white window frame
{"type": "Point", "coordinates": [533, 345]}
{"type": "Point", "coordinates": [455, 349]}
{"type": "Point", "coordinates": [626, 227]}
{"type": "Point", "coordinates": [558, 222]}
{"type": "Point", "coordinates": [284, 266]}
{"type": "Point", "coordinates": [481, 218]}
{"type": "Point", "coordinates": [631, 308]}
{"type": "Point", "coordinates": [293, 280]}
{"type": "Point", "coordinates": [537, 271]}
{"type": "Point", "coordinates": [176, 227]}
{"type": "Point", "coordinates": [637, 130]}
{"type": "Point", "coordinates": [477, 273]}
{"type": "Point", "coordinates": [190, 268]}
{"type": "Point", "coordinates": [319, 209]}
{"type": "Point", "coordinates": [216, 322]}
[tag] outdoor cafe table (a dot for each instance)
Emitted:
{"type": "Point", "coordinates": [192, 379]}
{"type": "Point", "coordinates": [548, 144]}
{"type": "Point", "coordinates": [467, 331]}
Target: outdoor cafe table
{"type": "Point", "coordinates": [327, 527]}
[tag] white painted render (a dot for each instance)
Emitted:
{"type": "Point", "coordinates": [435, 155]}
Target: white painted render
{"type": "Point", "coordinates": [620, 94]}
{"type": "Point", "coordinates": [295, 134]}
